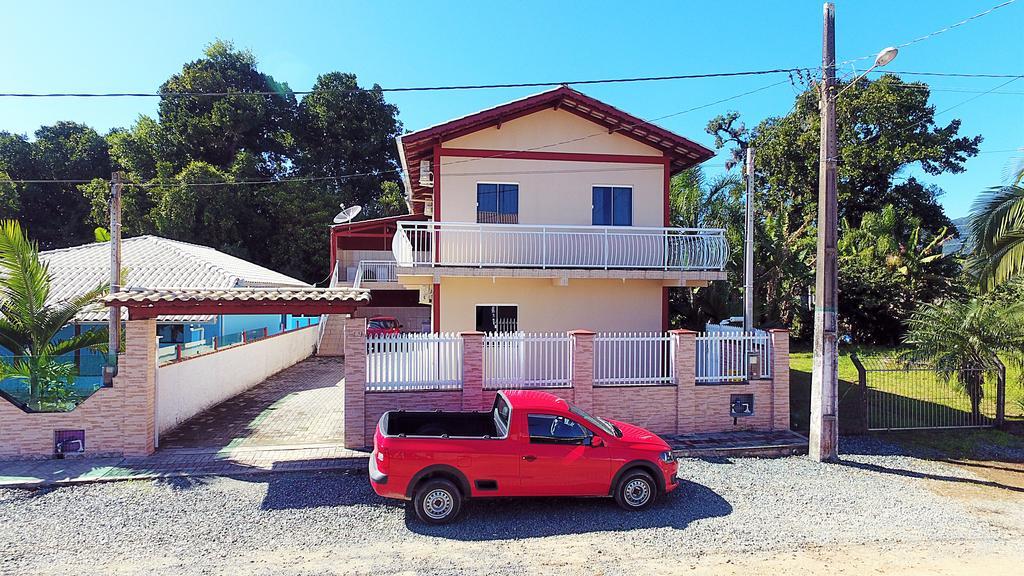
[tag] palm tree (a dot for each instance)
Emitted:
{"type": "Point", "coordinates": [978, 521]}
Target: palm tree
{"type": "Point", "coordinates": [29, 323]}
{"type": "Point", "coordinates": [997, 234]}
{"type": "Point", "coordinates": [962, 341]}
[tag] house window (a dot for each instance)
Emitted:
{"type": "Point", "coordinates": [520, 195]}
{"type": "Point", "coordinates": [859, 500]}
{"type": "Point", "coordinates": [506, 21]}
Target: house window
{"type": "Point", "coordinates": [497, 203]}
{"type": "Point", "coordinates": [613, 206]}
{"type": "Point", "coordinates": [497, 318]}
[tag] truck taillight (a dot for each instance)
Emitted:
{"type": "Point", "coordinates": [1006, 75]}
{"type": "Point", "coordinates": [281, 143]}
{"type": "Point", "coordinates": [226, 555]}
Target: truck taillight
{"type": "Point", "coordinates": [382, 461]}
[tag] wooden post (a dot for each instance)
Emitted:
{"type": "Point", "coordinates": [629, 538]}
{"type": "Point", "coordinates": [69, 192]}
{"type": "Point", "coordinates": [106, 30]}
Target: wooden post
{"type": "Point", "coordinates": [114, 320]}
{"type": "Point", "coordinates": [748, 247]}
{"type": "Point", "coordinates": [824, 433]}
{"type": "Point", "coordinates": [1001, 395]}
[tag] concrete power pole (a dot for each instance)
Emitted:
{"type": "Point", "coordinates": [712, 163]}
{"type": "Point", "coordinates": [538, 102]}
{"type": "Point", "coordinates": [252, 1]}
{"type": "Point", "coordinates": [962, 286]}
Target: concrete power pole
{"type": "Point", "coordinates": [824, 436]}
{"type": "Point", "coordinates": [748, 247]}
{"type": "Point", "coordinates": [114, 328]}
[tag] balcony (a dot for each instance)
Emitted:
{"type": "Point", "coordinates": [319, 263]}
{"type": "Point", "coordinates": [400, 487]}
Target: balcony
{"type": "Point", "coordinates": [621, 248]}
{"type": "Point", "coordinates": [375, 274]}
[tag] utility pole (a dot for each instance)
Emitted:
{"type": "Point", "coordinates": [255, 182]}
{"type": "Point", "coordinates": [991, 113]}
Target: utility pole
{"type": "Point", "coordinates": [748, 248]}
{"type": "Point", "coordinates": [824, 436]}
{"type": "Point", "coordinates": [114, 328]}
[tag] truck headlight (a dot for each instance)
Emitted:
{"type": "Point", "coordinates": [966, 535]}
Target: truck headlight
{"type": "Point", "coordinates": [667, 457]}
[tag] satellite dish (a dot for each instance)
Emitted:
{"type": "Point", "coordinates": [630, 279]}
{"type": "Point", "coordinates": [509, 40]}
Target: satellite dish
{"type": "Point", "coordinates": [347, 214]}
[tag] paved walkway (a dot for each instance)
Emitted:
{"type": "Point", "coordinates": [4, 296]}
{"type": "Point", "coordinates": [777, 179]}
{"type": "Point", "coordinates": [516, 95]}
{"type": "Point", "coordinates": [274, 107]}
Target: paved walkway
{"type": "Point", "coordinates": [304, 404]}
{"type": "Point", "coordinates": [292, 421]}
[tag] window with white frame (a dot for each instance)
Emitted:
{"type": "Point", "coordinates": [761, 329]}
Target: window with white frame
{"type": "Point", "coordinates": [613, 206]}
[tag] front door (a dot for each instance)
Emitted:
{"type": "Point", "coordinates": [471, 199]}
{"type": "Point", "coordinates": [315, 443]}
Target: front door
{"type": "Point", "coordinates": [559, 460]}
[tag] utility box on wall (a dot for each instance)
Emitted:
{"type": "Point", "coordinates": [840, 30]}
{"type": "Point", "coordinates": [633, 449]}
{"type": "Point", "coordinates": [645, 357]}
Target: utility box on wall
{"type": "Point", "coordinates": [68, 443]}
{"type": "Point", "coordinates": [741, 405]}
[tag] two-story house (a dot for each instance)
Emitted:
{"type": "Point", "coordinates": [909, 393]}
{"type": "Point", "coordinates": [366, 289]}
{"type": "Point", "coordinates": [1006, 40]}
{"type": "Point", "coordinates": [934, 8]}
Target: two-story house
{"type": "Point", "coordinates": [548, 213]}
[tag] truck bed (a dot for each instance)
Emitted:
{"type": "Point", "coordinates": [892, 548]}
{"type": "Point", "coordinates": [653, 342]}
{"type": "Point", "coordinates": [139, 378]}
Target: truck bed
{"type": "Point", "coordinates": [463, 424]}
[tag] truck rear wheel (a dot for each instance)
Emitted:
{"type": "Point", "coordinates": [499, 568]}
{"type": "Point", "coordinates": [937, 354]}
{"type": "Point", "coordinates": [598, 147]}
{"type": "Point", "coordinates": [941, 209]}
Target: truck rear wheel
{"type": "Point", "coordinates": [636, 490]}
{"type": "Point", "coordinates": [437, 501]}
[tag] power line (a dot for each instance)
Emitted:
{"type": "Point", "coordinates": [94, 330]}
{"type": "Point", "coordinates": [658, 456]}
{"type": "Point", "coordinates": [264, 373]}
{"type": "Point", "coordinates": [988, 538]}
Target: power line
{"type": "Point", "coordinates": [949, 74]}
{"type": "Point", "coordinates": [400, 89]}
{"type": "Point", "coordinates": [939, 31]}
{"type": "Point", "coordinates": [303, 179]}
{"type": "Point", "coordinates": [397, 171]}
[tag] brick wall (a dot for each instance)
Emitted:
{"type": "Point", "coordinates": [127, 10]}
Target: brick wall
{"type": "Point", "coordinates": [682, 407]}
{"type": "Point", "coordinates": [119, 420]}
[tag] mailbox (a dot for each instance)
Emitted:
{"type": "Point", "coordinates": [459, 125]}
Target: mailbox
{"type": "Point", "coordinates": [754, 364]}
{"type": "Point", "coordinates": [741, 405]}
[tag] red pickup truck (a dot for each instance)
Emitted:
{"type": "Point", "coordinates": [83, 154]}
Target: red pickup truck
{"type": "Point", "coordinates": [530, 444]}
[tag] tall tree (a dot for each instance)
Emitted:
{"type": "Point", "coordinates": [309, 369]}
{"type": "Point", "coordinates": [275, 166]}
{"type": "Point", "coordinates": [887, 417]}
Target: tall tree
{"type": "Point", "coordinates": [56, 211]}
{"type": "Point", "coordinates": [884, 126]}
{"type": "Point", "coordinates": [344, 130]}
{"type": "Point", "coordinates": [254, 113]}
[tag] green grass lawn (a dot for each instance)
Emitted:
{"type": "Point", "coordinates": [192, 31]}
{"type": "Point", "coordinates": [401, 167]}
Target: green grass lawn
{"type": "Point", "coordinates": [901, 402]}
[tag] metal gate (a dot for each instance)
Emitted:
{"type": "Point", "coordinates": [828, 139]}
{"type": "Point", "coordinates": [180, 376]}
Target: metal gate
{"type": "Point", "coordinates": [897, 395]}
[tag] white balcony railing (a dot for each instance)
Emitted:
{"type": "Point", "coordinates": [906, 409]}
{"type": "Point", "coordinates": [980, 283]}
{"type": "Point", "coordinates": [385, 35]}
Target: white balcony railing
{"type": "Point", "coordinates": [375, 271]}
{"type": "Point", "coordinates": [537, 246]}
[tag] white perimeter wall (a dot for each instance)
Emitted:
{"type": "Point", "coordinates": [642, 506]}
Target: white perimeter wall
{"type": "Point", "coordinates": [185, 388]}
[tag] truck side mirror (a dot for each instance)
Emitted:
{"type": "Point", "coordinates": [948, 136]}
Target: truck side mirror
{"type": "Point", "coordinates": [596, 442]}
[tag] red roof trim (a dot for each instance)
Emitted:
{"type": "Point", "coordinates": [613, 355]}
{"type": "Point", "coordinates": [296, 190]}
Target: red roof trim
{"type": "Point", "coordinates": [683, 151]}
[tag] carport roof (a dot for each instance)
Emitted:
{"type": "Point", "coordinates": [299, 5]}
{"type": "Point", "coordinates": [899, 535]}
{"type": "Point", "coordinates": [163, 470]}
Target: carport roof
{"type": "Point", "coordinates": [152, 302]}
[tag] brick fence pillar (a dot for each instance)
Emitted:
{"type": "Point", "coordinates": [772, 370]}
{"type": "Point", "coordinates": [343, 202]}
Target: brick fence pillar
{"type": "Point", "coordinates": [780, 378]}
{"type": "Point", "coordinates": [583, 368]}
{"type": "Point", "coordinates": [137, 376]}
{"type": "Point", "coordinates": [686, 380]}
{"type": "Point", "coordinates": [355, 382]}
{"type": "Point", "coordinates": [472, 370]}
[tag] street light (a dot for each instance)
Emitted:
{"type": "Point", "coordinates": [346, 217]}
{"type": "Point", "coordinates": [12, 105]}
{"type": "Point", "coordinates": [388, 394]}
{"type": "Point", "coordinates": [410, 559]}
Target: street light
{"type": "Point", "coordinates": [884, 57]}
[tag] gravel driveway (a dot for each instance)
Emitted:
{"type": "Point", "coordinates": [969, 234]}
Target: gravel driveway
{"type": "Point", "coordinates": [727, 515]}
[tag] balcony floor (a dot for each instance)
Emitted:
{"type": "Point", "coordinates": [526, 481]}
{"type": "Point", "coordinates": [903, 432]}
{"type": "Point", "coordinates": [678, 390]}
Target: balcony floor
{"type": "Point", "coordinates": [426, 275]}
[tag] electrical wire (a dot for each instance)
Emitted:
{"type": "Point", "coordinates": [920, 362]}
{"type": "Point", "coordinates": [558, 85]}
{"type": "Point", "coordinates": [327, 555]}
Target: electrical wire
{"type": "Point", "coordinates": [938, 32]}
{"type": "Point", "coordinates": [400, 89]}
{"type": "Point", "coordinates": [345, 177]}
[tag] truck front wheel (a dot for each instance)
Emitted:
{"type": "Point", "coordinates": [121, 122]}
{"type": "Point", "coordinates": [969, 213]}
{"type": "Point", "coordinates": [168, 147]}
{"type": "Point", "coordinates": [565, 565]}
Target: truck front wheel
{"type": "Point", "coordinates": [437, 501]}
{"type": "Point", "coordinates": [636, 490]}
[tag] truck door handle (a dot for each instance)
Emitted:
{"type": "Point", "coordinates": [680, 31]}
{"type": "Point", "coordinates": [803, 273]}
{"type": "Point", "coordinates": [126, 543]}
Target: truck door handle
{"type": "Point", "coordinates": [529, 458]}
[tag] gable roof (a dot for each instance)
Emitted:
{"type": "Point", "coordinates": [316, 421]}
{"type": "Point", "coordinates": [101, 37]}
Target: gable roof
{"type": "Point", "coordinates": [682, 152]}
{"type": "Point", "coordinates": [152, 261]}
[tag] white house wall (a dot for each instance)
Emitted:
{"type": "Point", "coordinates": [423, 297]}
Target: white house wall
{"type": "Point", "coordinates": [190, 386]}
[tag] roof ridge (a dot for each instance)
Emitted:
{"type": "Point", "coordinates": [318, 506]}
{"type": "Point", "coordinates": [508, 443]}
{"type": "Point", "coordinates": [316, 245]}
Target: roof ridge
{"type": "Point", "coordinates": [92, 244]}
{"type": "Point", "coordinates": [176, 246]}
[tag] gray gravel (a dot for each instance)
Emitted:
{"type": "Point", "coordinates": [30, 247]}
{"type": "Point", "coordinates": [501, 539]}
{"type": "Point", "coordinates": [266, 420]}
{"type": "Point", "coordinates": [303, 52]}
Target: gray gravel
{"type": "Point", "coordinates": [331, 522]}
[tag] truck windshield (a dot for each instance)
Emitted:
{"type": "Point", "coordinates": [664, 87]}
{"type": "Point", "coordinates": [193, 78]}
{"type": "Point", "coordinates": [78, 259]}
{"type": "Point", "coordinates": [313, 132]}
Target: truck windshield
{"type": "Point", "coordinates": [601, 423]}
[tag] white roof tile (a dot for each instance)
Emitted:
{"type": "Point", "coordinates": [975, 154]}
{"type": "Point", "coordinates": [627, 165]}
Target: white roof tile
{"type": "Point", "coordinates": [151, 261]}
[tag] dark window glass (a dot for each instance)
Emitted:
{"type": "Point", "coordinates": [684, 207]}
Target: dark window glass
{"type": "Point", "coordinates": [497, 318]}
{"type": "Point", "coordinates": [602, 206]}
{"type": "Point", "coordinates": [497, 203]}
{"type": "Point", "coordinates": [549, 429]}
{"type": "Point", "coordinates": [622, 210]}
{"type": "Point", "coordinates": [613, 206]}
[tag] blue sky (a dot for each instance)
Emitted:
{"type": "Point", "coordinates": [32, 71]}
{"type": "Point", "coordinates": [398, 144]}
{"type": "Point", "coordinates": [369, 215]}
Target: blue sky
{"type": "Point", "coordinates": [115, 46]}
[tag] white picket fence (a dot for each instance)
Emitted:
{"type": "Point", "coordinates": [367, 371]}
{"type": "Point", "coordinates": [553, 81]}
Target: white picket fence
{"type": "Point", "coordinates": [633, 358]}
{"type": "Point", "coordinates": [724, 356]}
{"type": "Point", "coordinates": [521, 360]}
{"type": "Point", "coordinates": [397, 362]}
